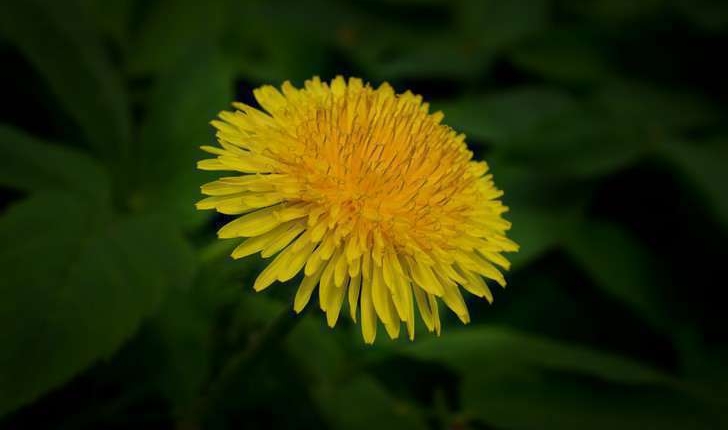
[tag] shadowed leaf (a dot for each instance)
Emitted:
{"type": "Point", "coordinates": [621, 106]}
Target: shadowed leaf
{"type": "Point", "coordinates": [60, 42]}
{"type": "Point", "coordinates": [180, 109]}
{"type": "Point", "coordinates": [76, 284]}
{"type": "Point", "coordinates": [30, 164]}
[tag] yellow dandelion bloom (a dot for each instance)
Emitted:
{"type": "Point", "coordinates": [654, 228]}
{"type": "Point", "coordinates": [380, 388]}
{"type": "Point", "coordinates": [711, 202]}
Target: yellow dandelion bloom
{"type": "Point", "coordinates": [366, 193]}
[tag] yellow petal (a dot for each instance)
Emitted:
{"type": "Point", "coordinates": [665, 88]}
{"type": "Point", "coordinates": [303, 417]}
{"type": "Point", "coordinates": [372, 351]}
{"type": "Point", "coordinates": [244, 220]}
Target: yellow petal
{"type": "Point", "coordinates": [252, 224]}
{"type": "Point", "coordinates": [435, 313]}
{"type": "Point", "coordinates": [354, 266]}
{"type": "Point", "coordinates": [424, 277]}
{"type": "Point", "coordinates": [282, 240]}
{"type": "Point", "coordinates": [392, 327]}
{"type": "Point", "coordinates": [212, 164]}
{"type": "Point", "coordinates": [327, 282]}
{"type": "Point", "coordinates": [255, 244]}
{"type": "Point", "coordinates": [333, 308]}
{"type": "Point", "coordinates": [476, 285]}
{"type": "Point", "coordinates": [454, 300]}
{"type": "Point", "coordinates": [303, 295]}
{"type": "Point", "coordinates": [380, 296]}
{"type": "Point", "coordinates": [497, 258]}
{"type": "Point", "coordinates": [314, 262]}
{"type": "Point", "coordinates": [410, 307]}
{"type": "Point", "coordinates": [340, 271]}
{"type": "Point", "coordinates": [424, 308]}
{"type": "Point", "coordinates": [354, 287]}
{"type": "Point", "coordinates": [368, 317]}
{"type": "Point", "coordinates": [270, 273]}
{"type": "Point", "coordinates": [296, 261]}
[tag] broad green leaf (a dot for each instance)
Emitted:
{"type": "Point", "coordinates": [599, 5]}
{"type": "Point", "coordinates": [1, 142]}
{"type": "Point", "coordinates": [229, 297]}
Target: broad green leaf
{"type": "Point", "coordinates": [564, 55]}
{"type": "Point", "coordinates": [387, 51]}
{"type": "Point", "coordinates": [512, 379]}
{"type": "Point", "coordinates": [536, 231]}
{"type": "Point", "coordinates": [363, 403]}
{"type": "Point", "coordinates": [76, 284]}
{"type": "Point", "coordinates": [180, 110]}
{"type": "Point", "coordinates": [709, 15]}
{"type": "Point", "coordinates": [30, 164]}
{"type": "Point", "coordinates": [184, 330]}
{"type": "Point", "coordinates": [499, 118]}
{"type": "Point", "coordinates": [532, 400]}
{"type": "Point", "coordinates": [311, 343]}
{"type": "Point", "coordinates": [540, 211]}
{"type": "Point", "coordinates": [317, 348]}
{"type": "Point", "coordinates": [578, 143]}
{"type": "Point", "coordinates": [169, 30]}
{"type": "Point", "coordinates": [488, 347]}
{"type": "Point", "coordinates": [112, 17]}
{"type": "Point", "coordinates": [414, 2]}
{"type": "Point", "coordinates": [60, 42]}
{"type": "Point", "coordinates": [295, 49]}
{"type": "Point", "coordinates": [705, 168]}
{"type": "Point", "coordinates": [654, 112]}
{"type": "Point", "coordinates": [546, 128]}
{"type": "Point", "coordinates": [704, 365]}
{"type": "Point", "coordinates": [493, 24]}
{"type": "Point", "coordinates": [269, 43]}
{"type": "Point", "coordinates": [614, 12]}
{"type": "Point", "coordinates": [622, 267]}
{"type": "Point", "coordinates": [542, 128]}
{"type": "Point", "coordinates": [419, 55]}
{"type": "Point", "coordinates": [528, 188]}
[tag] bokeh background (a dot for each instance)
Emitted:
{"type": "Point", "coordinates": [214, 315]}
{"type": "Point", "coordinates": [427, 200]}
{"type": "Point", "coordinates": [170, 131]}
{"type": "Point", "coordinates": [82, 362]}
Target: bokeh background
{"type": "Point", "coordinates": [604, 121]}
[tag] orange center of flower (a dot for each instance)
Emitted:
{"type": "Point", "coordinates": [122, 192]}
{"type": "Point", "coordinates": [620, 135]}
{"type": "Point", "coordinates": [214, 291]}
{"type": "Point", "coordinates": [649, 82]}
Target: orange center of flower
{"type": "Point", "coordinates": [383, 164]}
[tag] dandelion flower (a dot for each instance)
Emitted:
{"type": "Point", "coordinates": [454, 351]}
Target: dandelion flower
{"type": "Point", "coordinates": [366, 193]}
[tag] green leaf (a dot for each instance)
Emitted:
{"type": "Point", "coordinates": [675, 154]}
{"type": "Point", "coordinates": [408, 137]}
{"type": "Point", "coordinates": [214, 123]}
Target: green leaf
{"type": "Point", "coordinates": [495, 24]}
{"type": "Point", "coordinates": [269, 42]}
{"type": "Point", "coordinates": [536, 231]}
{"type": "Point", "coordinates": [30, 164]}
{"type": "Point", "coordinates": [388, 51]}
{"type": "Point", "coordinates": [180, 110]}
{"type": "Point", "coordinates": [76, 284]}
{"type": "Point", "coordinates": [564, 55]}
{"type": "Point", "coordinates": [540, 211]}
{"type": "Point", "coordinates": [345, 397]}
{"type": "Point", "coordinates": [310, 342]}
{"type": "Point", "coordinates": [614, 12]}
{"type": "Point", "coordinates": [170, 29]}
{"type": "Point", "coordinates": [704, 365]}
{"type": "Point", "coordinates": [704, 167]}
{"type": "Point", "coordinates": [655, 113]}
{"type": "Point", "coordinates": [184, 330]}
{"type": "Point", "coordinates": [512, 379]}
{"type": "Point", "coordinates": [576, 144]}
{"type": "Point", "coordinates": [709, 15]}
{"type": "Point", "coordinates": [499, 118]}
{"type": "Point", "coordinates": [60, 42]}
{"type": "Point", "coordinates": [419, 55]}
{"type": "Point", "coordinates": [531, 400]}
{"type": "Point", "coordinates": [482, 347]}
{"type": "Point", "coordinates": [363, 403]}
{"type": "Point", "coordinates": [544, 128]}
{"type": "Point", "coordinates": [622, 267]}
{"type": "Point", "coordinates": [112, 18]}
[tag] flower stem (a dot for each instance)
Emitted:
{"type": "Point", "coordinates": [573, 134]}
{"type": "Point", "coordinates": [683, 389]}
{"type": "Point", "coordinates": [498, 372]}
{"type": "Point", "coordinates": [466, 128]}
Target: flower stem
{"type": "Point", "coordinates": [257, 348]}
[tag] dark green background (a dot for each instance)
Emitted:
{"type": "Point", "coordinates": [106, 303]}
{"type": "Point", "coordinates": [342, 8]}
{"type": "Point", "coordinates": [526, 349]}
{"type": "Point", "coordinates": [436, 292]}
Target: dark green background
{"type": "Point", "coordinates": [604, 121]}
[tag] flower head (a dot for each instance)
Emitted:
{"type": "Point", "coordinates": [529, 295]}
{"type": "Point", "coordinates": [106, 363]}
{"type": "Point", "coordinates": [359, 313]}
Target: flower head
{"type": "Point", "coordinates": [364, 191]}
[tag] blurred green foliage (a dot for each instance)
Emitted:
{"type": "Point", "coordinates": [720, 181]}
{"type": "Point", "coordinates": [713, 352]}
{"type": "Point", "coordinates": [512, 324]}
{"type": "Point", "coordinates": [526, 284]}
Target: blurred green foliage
{"type": "Point", "coordinates": [604, 121]}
